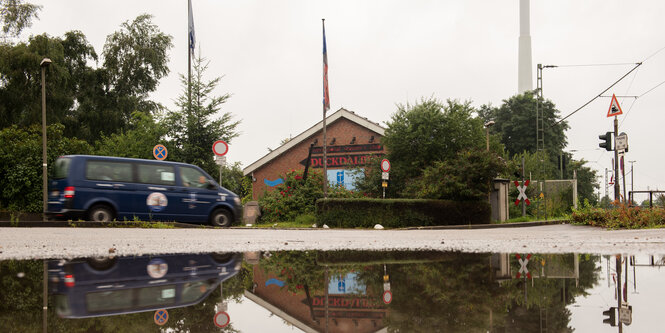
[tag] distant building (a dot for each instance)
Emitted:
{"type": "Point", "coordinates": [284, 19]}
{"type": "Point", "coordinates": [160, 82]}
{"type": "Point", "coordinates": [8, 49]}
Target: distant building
{"type": "Point", "coordinates": [352, 140]}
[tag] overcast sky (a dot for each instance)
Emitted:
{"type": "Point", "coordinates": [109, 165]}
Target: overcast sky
{"type": "Point", "coordinates": [381, 53]}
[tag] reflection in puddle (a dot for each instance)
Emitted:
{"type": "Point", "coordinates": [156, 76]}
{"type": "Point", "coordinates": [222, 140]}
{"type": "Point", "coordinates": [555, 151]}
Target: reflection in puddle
{"type": "Point", "coordinates": [344, 291]}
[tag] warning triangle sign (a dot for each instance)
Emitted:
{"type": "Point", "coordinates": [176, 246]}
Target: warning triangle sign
{"type": "Point", "coordinates": [615, 109]}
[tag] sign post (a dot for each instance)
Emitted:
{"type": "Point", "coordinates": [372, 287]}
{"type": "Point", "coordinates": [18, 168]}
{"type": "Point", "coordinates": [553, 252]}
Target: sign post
{"type": "Point", "coordinates": [220, 148]}
{"type": "Point", "coordinates": [614, 111]}
{"type": "Point", "coordinates": [385, 167]}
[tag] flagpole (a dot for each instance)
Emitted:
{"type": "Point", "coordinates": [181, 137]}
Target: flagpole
{"type": "Point", "coordinates": [325, 156]}
{"type": "Point", "coordinates": [189, 57]}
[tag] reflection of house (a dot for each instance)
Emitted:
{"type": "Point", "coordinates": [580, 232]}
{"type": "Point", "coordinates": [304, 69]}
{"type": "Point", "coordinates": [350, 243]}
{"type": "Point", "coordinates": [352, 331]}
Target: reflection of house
{"type": "Point", "coordinates": [351, 141]}
{"type": "Point", "coordinates": [347, 311]}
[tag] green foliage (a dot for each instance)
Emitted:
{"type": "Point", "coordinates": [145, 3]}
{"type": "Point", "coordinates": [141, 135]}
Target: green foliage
{"type": "Point", "coordinates": [296, 268]}
{"type": "Point", "coordinates": [306, 219]}
{"type": "Point", "coordinates": [398, 213]}
{"type": "Point", "coordinates": [515, 122]}
{"type": "Point", "coordinates": [428, 132]}
{"type": "Point", "coordinates": [21, 163]}
{"type": "Point", "coordinates": [467, 176]}
{"type": "Point", "coordinates": [233, 179]}
{"type": "Point", "coordinates": [621, 216]}
{"type": "Point", "coordinates": [16, 15]}
{"type": "Point", "coordinates": [296, 197]}
{"type": "Point", "coordinates": [137, 141]}
{"type": "Point", "coordinates": [196, 125]}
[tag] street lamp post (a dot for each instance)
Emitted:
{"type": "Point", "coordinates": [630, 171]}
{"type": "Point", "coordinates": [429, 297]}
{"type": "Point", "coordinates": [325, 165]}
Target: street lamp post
{"type": "Point", "coordinates": [487, 132]}
{"type": "Point", "coordinates": [487, 137]}
{"type": "Point", "coordinates": [45, 63]}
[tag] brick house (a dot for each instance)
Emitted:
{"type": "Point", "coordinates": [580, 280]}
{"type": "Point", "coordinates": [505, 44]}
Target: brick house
{"type": "Point", "coordinates": [351, 141]}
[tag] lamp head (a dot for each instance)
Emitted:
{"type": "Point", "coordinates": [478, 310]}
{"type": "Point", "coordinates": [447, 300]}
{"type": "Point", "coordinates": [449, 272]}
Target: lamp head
{"type": "Point", "coordinates": [45, 62]}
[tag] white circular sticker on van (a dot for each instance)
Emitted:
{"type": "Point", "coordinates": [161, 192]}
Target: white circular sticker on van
{"type": "Point", "coordinates": [157, 268]}
{"type": "Point", "coordinates": [157, 201]}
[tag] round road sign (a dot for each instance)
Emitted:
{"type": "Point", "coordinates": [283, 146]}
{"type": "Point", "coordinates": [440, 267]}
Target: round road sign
{"type": "Point", "coordinates": [387, 297]}
{"type": "Point", "coordinates": [220, 148]}
{"type": "Point", "coordinates": [222, 319]}
{"type": "Point", "coordinates": [159, 152]}
{"type": "Point", "coordinates": [161, 317]}
{"type": "Point", "coordinates": [385, 165]}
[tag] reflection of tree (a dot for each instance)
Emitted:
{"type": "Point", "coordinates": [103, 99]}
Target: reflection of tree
{"type": "Point", "coordinates": [547, 298]}
{"type": "Point", "coordinates": [450, 296]}
{"type": "Point", "coordinates": [457, 295]}
{"type": "Point", "coordinates": [297, 268]}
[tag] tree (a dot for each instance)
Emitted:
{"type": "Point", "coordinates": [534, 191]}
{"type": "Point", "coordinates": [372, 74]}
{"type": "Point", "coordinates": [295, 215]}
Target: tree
{"type": "Point", "coordinates": [20, 163]}
{"type": "Point", "coordinates": [135, 59]}
{"type": "Point", "coordinates": [428, 132]}
{"type": "Point", "coordinates": [196, 125]}
{"type": "Point", "coordinates": [466, 177]}
{"type": "Point", "coordinates": [16, 15]}
{"type": "Point", "coordinates": [137, 141]}
{"type": "Point", "coordinates": [515, 121]}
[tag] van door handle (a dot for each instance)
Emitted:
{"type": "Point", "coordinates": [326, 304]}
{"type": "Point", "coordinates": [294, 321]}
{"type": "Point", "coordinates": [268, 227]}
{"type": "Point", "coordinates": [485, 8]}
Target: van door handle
{"type": "Point", "coordinates": [154, 188]}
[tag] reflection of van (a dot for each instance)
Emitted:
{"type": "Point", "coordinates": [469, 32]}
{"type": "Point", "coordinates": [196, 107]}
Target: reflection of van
{"type": "Point", "coordinates": [101, 188]}
{"type": "Point", "coordinates": [110, 286]}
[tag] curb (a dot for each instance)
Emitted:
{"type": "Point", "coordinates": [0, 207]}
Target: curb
{"type": "Point", "coordinates": [489, 226]}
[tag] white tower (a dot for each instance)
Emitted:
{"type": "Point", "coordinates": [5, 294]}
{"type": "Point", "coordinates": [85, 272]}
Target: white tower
{"type": "Point", "coordinates": [524, 77]}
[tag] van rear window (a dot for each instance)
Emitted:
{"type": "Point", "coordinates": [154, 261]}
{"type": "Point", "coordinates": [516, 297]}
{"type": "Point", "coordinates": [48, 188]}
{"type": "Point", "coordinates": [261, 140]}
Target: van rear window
{"type": "Point", "coordinates": [61, 168]}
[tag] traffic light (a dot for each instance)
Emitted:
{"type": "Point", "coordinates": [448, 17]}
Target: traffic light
{"type": "Point", "coordinates": [611, 319]}
{"type": "Point", "coordinates": [607, 141]}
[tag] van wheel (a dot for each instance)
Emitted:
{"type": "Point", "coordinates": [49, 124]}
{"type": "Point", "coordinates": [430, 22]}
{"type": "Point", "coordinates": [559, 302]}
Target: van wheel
{"type": "Point", "coordinates": [222, 257]}
{"type": "Point", "coordinates": [101, 263]}
{"type": "Point", "coordinates": [100, 213]}
{"type": "Point", "coordinates": [220, 218]}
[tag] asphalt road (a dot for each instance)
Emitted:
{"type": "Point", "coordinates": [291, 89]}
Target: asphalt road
{"type": "Point", "coordinates": [41, 243]}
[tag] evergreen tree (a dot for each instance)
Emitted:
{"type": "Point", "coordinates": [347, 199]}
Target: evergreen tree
{"type": "Point", "coordinates": [198, 123]}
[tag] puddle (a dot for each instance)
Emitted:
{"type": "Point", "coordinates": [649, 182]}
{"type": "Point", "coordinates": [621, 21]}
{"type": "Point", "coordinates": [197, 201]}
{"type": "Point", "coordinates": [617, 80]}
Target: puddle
{"type": "Point", "coordinates": [341, 291]}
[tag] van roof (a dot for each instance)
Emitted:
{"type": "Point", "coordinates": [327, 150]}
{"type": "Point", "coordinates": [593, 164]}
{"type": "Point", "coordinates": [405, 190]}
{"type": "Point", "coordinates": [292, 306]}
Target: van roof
{"type": "Point", "coordinates": [128, 159]}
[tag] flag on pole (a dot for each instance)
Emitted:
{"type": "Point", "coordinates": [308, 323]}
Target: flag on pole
{"type": "Point", "coordinates": [326, 96]}
{"type": "Point", "coordinates": [190, 24]}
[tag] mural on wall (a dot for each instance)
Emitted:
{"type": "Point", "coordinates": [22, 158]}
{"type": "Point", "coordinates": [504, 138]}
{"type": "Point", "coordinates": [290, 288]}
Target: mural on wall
{"type": "Point", "coordinates": [273, 183]}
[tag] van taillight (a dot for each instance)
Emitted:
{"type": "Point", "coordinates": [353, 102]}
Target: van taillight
{"type": "Point", "coordinates": [69, 280]}
{"type": "Point", "coordinates": [69, 192]}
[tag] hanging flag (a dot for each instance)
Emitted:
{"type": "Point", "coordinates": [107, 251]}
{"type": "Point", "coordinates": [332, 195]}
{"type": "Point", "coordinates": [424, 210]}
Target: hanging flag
{"type": "Point", "coordinates": [190, 24]}
{"type": "Point", "coordinates": [326, 96]}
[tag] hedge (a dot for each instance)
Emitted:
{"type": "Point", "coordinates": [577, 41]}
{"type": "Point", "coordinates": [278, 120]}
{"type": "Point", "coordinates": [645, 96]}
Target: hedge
{"type": "Point", "coordinates": [399, 213]}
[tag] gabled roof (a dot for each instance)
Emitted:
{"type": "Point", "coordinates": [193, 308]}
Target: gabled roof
{"type": "Point", "coordinates": [341, 113]}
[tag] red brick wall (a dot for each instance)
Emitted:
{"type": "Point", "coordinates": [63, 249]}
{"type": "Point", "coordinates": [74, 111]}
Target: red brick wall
{"type": "Point", "coordinates": [343, 130]}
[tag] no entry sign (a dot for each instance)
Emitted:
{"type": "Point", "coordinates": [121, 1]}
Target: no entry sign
{"type": "Point", "coordinates": [220, 148]}
{"type": "Point", "coordinates": [222, 319]}
{"type": "Point", "coordinates": [385, 165]}
{"type": "Point", "coordinates": [387, 297]}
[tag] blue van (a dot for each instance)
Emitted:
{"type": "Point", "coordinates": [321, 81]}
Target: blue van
{"type": "Point", "coordinates": [94, 287]}
{"type": "Point", "coordinates": [102, 188]}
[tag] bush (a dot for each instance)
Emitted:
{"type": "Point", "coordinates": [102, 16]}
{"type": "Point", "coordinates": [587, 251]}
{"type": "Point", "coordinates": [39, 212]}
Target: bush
{"type": "Point", "coordinates": [621, 216]}
{"type": "Point", "coordinates": [396, 213]}
{"type": "Point", "coordinates": [296, 197]}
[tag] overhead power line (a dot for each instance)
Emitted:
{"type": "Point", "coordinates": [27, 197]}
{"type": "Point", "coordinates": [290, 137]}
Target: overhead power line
{"type": "Point", "coordinates": [601, 93]}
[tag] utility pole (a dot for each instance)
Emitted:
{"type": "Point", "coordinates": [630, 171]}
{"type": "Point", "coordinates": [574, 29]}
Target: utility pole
{"type": "Point", "coordinates": [617, 188]}
{"type": "Point", "coordinates": [631, 181]}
